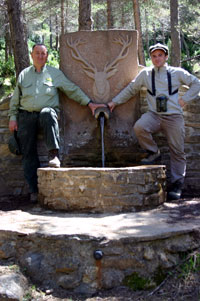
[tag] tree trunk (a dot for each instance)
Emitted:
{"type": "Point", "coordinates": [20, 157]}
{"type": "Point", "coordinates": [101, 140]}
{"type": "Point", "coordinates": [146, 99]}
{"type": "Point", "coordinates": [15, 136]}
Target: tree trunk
{"type": "Point", "coordinates": [109, 15]}
{"type": "Point", "coordinates": [62, 17]}
{"type": "Point", "coordinates": [175, 34]}
{"type": "Point", "coordinates": [137, 20]}
{"type": "Point", "coordinates": [66, 15]}
{"type": "Point", "coordinates": [8, 46]}
{"type": "Point", "coordinates": [57, 35]}
{"type": "Point", "coordinates": [24, 20]}
{"type": "Point", "coordinates": [51, 36]}
{"type": "Point", "coordinates": [147, 29]}
{"type": "Point", "coordinates": [163, 33]}
{"type": "Point", "coordinates": [50, 28]}
{"type": "Point", "coordinates": [97, 21]}
{"type": "Point", "coordinates": [122, 16]}
{"type": "Point", "coordinates": [18, 37]}
{"type": "Point", "coordinates": [85, 19]}
{"type": "Point", "coordinates": [185, 45]}
{"type": "Point", "coordinates": [154, 33]}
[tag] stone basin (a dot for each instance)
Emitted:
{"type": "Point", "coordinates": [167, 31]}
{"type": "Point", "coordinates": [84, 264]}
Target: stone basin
{"type": "Point", "coordinates": [102, 190]}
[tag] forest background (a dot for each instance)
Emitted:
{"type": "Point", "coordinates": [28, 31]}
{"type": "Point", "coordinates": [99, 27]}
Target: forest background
{"type": "Point", "coordinates": [26, 22]}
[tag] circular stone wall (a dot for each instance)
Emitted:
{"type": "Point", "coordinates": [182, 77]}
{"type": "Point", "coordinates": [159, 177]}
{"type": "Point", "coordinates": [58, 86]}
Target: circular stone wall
{"type": "Point", "coordinates": [102, 189]}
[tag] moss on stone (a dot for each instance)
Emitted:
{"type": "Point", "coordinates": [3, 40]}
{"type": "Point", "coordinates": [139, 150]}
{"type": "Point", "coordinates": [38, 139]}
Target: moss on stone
{"type": "Point", "coordinates": [136, 282]}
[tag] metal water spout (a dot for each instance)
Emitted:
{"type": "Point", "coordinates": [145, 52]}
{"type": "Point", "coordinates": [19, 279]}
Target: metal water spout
{"type": "Point", "coordinates": [104, 111]}
{"type": "Point", "coordinates": [101, 114]}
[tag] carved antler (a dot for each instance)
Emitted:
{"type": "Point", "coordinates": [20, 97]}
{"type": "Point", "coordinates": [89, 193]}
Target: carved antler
{"type": "Point", "coordinates": [77, 56]}
{"type": "Point", "coordinates": [123, 53]}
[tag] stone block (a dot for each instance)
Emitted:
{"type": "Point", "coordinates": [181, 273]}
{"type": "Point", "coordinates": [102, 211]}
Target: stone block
{"type": "Point", "coordinates": [13, 286]}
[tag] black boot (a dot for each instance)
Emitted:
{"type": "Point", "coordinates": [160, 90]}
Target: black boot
{"type": "Point", "coordinates": [176, 191]}
{"type": "Point", "coordinates": [34, 198]}
{"type": "Point", "coordinates": [53, 158]}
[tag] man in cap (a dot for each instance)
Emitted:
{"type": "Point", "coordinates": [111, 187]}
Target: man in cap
{"type": "Point", "coordinates": [164, 112]}
{"type": "Point", "coordinates": [35, 104]}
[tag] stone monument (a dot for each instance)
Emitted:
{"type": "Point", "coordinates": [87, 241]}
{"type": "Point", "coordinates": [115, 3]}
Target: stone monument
{"type": "Point", "coordinates": [101, 63]}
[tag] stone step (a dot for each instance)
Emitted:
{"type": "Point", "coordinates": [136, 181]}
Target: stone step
{"type": "Point", "coordinates": [84, 253]}
{"type": "Point", "coordinates": [102, 190]}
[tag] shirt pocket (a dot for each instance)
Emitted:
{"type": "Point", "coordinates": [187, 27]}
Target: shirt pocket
{"type": "Point", "coordinates": [26, 89]}
{"type": "Point", "coordinates": [49, 88]}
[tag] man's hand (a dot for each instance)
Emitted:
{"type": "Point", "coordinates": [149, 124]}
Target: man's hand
{"type": "Point", "coordinates": [94, 106]}
{"type": "Point", "coordinates": [181, 102]}
{"type": "Point", "coordinates": [111, 105]}
{"type": "Point", "coordinates": [13, 125]}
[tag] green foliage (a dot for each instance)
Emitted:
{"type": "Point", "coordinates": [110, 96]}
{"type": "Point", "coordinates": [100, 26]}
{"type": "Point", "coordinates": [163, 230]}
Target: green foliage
{"type": "Point", "coordinates": [29, 294]}
{"type": "Point", "coordinates": [136, 282]}
{"type": "Point", "coordinates": [6, 67]}
{"type": "Point", "coordinates": [187, 66]}
{"type": "Point", "coordinates": [14, 268]}
{"type": "Point", "coordinates": [148, 61]}
{"type": "Point", "coordinates": [27, 297]}
{"type": "Point", "coordinates": [7, 73]}
{"type": "Point", "coordinates": [192, 264]}
{"type": "Point", "coordinates": [53, 58]}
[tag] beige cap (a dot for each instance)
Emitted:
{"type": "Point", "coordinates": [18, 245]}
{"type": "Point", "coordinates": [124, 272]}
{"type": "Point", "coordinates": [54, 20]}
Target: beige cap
{"type": "Point", "coordinates": [160, 47]}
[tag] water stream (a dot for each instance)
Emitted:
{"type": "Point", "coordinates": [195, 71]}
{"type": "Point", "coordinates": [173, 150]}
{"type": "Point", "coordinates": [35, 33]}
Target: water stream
{"type": "Point", "coordinates": [102, 122]}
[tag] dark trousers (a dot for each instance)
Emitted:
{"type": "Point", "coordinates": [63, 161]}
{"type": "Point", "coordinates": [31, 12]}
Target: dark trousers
{"type": "Point", "coordinates": [29, 123]}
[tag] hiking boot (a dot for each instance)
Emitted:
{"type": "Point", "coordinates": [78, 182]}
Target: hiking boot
{"type": "Point", "coordinates": [33, 198]}
{"type": "Point", "coordinates": [53, 158]}
{"type": "Point", "coordinates": [176, 190]}
{"type": "Point", "coordinates": [151, 157]}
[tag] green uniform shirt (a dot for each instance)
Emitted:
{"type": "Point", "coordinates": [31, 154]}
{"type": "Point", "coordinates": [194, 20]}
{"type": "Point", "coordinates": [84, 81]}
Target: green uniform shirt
{"type": "Point", "coordinates": [37, 90]}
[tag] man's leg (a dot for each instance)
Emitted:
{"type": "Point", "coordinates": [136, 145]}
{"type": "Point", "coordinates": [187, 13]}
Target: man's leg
{"type": "Point", "coordinates": [174, 129]}
{"type": "Point", "coordinates": [148, 124]}
{"type": "Point", "coordinates": [48, 121]}
{"type": "Point", "coordinates": [27, 134]}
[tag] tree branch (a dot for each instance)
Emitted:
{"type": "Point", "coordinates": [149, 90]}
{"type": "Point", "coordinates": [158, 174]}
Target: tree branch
{"type": "Point", "coordinates": [191, 58]}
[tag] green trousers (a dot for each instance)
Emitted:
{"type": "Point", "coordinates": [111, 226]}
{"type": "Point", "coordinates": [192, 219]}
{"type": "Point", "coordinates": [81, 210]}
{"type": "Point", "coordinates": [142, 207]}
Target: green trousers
{"type": "Point", "coordinates": [29, 123]}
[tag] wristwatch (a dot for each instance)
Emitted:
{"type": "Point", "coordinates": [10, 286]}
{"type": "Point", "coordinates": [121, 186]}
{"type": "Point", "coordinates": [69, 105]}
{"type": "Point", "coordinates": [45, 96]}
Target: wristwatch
{"type": "Point", "coordinates": [89, 102]}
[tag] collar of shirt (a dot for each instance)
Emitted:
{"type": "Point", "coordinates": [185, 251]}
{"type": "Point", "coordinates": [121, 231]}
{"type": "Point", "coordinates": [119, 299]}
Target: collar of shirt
{"type": "Point", "coordinates": [163, 68]}
{"type": "Point", "coordinates": [42, 69]}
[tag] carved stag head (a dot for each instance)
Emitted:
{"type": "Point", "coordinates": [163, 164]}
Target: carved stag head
{"type": "Point", "coordinates": [101, 87]}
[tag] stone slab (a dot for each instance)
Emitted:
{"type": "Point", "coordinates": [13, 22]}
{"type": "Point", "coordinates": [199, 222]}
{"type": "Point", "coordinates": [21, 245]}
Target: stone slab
{"type": "Point", "coordinates": [138, 225]}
